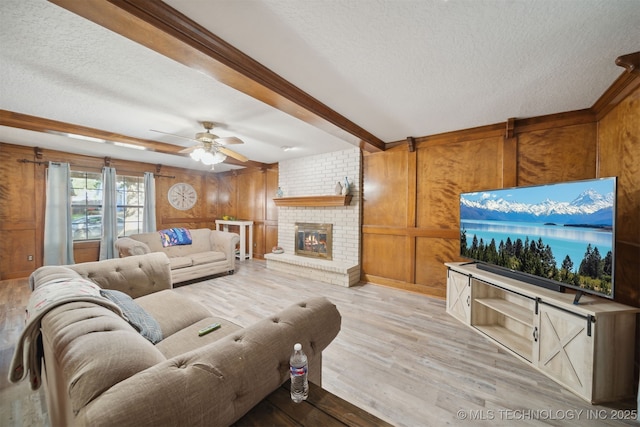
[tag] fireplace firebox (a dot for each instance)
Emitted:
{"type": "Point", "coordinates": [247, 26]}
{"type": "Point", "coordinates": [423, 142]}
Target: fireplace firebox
{"type": "Point", "coordinates": [314, 240]}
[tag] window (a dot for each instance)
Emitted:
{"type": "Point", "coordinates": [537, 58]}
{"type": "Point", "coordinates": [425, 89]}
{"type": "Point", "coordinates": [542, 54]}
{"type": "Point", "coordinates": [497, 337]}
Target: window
{"type": "Point", "coordinates": [86, 205]}
{"type": "Point", "coordinates": [130, 204]}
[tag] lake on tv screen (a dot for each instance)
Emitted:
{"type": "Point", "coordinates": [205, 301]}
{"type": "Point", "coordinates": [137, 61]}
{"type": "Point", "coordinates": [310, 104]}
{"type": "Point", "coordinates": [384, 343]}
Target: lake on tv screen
{"type": "Point", "coordinates": [563, 240]}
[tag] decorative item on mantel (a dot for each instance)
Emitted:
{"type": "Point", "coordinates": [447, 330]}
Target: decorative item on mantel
{"type": "Point", "coordinates": [277, 250]}
{"type": "Point", "coordinates": [345, 187]}
{"type": "Point", "coordinates": [279, 192]}
{"type": "Point", "coordinates": [338, 190]}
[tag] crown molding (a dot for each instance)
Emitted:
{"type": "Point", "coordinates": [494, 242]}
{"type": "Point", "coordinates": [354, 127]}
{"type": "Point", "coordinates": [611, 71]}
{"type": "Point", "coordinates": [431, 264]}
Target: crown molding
{"type": "Point", "coordinates": [624, 85]}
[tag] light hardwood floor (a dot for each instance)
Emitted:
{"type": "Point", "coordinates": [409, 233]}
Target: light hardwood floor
{"type": "Point", "coordinates": [398, 355]}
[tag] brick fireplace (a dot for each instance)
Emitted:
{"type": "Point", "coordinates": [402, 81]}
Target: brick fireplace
{"type": "Point", "coordinates": [317, 176]}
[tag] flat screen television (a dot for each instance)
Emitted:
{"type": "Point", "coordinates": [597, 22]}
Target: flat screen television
{"type": "Point", "coordinates": [558, 235]}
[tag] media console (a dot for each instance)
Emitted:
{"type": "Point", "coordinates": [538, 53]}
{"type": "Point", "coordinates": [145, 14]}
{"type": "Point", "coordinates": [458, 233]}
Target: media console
{"type": "Point", "coordinates": [587, 348]}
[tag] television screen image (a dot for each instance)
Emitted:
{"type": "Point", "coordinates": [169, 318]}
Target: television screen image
{"type": "Point", "coordinates": [560, 233]}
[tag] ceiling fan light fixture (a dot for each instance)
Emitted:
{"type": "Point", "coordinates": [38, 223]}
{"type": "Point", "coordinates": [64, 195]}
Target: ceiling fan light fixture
{"type": "Point", "coordinates": [197, 154]}
{"type": "Point", "coordinates": [207, 158]}
{"type": "Point", "coordinates": [219, 157]}
{"type": "Point", "coordinates": [211, 158]}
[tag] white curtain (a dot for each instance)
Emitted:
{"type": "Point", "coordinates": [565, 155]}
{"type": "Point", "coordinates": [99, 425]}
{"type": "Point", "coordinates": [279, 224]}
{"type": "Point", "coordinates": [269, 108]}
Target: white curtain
{"type": "Point", "coordinates": [58, 241]}
{"type": "Point", "coordinates": [149, 208]}
{"type": "Point", "coordinates": [109, 220]}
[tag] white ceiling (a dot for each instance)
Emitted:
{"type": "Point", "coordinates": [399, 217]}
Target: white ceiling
{"type": "Point", "coordinates": [396, 68]}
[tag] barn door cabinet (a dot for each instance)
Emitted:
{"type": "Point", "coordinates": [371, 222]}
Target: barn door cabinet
{"type": "Point", "coordinates": [459, 296]}
{"type": "Point", "coordinates": [587, 348]}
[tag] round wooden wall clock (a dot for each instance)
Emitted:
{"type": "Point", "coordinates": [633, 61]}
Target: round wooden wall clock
{"type": "Point", "coordinates": [182, 196]}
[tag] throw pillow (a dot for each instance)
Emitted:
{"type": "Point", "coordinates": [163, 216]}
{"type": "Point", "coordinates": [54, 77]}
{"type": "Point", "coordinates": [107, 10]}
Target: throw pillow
{"type": "Point", "coordinates": [174, 237]}
{"type": "Point", "coordinates": [137, 316]}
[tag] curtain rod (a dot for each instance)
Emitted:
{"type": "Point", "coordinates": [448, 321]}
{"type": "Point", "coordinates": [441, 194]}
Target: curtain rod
{"type": "Point", "coordinates": [157, 175]}
{"type": "Point", "coordinates": [37, 162]}
{"type": "Point", "coordinates": [41, 162]}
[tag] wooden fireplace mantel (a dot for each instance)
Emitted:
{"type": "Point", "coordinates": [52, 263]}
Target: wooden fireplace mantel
{"type": "Point", "coordinates": [313, 201]}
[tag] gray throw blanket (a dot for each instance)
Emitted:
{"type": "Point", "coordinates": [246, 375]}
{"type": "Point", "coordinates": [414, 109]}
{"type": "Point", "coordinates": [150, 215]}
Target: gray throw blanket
{"type": "Point", "coordinates": [47, 296]}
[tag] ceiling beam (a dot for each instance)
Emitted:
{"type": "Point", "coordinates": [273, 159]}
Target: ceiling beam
{"type": "Point", "coordinates": [39, 124]}
{"type": "Point", "coordinates": [161, 28]}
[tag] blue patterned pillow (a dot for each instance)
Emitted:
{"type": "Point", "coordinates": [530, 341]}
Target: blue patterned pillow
{"type": "Point", "coordinates": [137, 316]}
{"type": "Point", "coordinates": [174, 237]}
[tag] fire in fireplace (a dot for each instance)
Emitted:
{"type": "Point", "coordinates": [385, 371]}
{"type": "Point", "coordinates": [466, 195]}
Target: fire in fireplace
{"type": "Point", "coordinates": [314, 240]}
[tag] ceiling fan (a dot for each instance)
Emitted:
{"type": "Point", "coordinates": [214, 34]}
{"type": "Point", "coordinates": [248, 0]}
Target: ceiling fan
{"type": "Point", "coordinates": [211, 149]}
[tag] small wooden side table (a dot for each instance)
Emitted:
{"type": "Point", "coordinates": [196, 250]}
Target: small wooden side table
{"type": "Point", "coordinates": [244, 225]}
{"type": "Point", "coordinates": [320, 409]}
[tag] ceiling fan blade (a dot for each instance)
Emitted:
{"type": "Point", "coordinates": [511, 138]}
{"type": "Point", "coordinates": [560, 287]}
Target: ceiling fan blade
{"type": "Point", "coordinates": [190, 149]}
{"type": "Point", "coordinates": [233, 154]}
{"type": "Point", "coordinates": [229, 140]}
{"type": "Point", "coordinates": [173, 134]}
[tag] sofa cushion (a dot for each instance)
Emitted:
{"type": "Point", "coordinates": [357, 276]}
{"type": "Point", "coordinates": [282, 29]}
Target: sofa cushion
{"type": "Point", "coordinates": [201, 240]}
{"type": "Point", "coordinates": [188, 339]}
{"type": "Point", "coordinates": [180, 262]}
{"type": "Point", "coordinates": [172, 310]}
{"type": "Point", "coordinates": [207, 257]}
{"type": "Point", "coordinates": [137, 316]}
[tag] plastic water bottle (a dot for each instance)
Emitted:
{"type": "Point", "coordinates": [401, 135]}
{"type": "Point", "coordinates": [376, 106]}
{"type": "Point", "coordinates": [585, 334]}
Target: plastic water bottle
{"type": "Point", "coordinates": [298, 368]}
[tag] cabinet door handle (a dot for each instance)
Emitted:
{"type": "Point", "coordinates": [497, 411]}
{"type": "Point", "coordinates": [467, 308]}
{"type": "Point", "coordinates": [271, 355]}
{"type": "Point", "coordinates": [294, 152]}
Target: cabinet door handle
{"type": "Point", "coordinates": [468, 300]}
{"type": "Point", "coordinates": [535, 334]}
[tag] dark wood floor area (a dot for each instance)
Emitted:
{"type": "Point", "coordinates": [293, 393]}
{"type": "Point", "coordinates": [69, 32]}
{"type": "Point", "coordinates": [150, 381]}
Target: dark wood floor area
{"type": "Point", "coordinates": [398, 356]}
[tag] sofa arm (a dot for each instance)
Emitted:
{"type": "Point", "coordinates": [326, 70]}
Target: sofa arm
{"type": "Point", "coordinates": [220, 382]}
{"type": "Point", "coordinates": [224, 241]}
{"type": "Point", "coordinates": [126, 246]}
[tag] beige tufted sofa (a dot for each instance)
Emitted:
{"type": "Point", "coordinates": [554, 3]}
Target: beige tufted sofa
{"type": "Point", "coordinates": [99, 371]}
{"type": "Point", "coordinates": [211, 252]}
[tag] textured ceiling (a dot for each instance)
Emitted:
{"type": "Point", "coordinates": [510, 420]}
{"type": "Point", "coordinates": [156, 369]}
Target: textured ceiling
{"type": "Point", "coordinates": [414, 68]}
{"type": "Point", "coordinates": [396, 68]}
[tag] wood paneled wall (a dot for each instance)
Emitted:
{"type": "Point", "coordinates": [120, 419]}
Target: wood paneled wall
{"type": "Point", "coordinates": [411, 198]}
{"type": "Point", "coordinates": [618, 154]}
{"type": "Point", "coordinates": [246, 194]}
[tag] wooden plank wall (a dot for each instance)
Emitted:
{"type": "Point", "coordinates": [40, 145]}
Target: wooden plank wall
{"type": "Point", "coordinates": [242, 194]}
{"type": "Point", "coordinates": [411, 211]}
{"type": "Point", "coordinates": [619, 155]}
{"type": "Point", "coordinates": [248, 194]}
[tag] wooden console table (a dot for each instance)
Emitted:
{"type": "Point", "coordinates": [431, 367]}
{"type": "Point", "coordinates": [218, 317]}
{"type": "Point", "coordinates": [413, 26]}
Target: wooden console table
{"type": "Point", "coordinates": [320, 409]}
{"type": "Point", "coordinates": [244, 254]}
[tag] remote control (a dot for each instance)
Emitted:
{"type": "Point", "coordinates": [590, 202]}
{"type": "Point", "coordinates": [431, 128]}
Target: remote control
{"type": "Point", "coordinates": [207, 329]}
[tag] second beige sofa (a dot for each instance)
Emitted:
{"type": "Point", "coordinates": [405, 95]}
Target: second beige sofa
{"type": "Point", "coordinates": [211, 252]}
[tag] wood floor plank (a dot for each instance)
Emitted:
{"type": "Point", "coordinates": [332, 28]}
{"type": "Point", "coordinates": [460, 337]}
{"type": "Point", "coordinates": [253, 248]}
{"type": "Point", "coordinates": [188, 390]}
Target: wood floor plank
{"type": "Point", "coordinates": [399, 355]}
